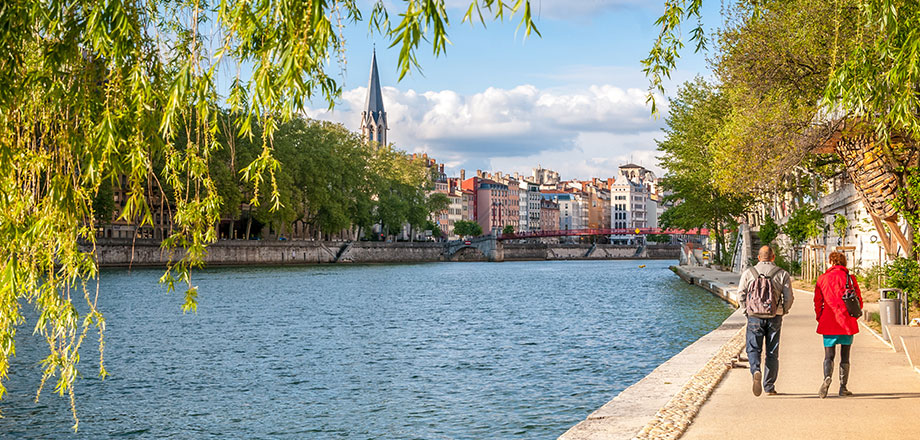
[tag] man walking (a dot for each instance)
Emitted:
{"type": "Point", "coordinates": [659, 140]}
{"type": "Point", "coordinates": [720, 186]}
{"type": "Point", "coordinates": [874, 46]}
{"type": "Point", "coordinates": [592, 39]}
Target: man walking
{"type": "Point", "coordinates": [766, 295]}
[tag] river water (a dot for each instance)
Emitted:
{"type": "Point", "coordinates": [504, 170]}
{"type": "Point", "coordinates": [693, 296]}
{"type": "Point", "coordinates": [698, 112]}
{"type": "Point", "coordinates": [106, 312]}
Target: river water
{"type": "Point", "coordinates": [431, 351]}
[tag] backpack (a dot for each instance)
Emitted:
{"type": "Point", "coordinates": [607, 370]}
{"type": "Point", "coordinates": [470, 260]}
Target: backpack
{"type": "Point", "coordinates": [763, 296]}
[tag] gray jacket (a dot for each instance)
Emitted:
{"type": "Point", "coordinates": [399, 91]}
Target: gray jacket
{"type": "Point", "coordinates": [782, 279]}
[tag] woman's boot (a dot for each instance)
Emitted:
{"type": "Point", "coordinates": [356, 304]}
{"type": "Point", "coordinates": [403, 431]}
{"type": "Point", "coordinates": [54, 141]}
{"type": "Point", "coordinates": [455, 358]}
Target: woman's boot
{"type": "Point", "coordinates": [844, 375]}
{"type": "Point", "coordinates": [828, 371]}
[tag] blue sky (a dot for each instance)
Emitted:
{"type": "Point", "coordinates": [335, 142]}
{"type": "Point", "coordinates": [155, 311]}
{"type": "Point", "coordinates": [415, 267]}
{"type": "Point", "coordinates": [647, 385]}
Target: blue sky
{"type": "Point", "coordinates": [571, 100]}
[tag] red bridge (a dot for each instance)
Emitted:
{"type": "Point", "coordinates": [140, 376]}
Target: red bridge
{"type": "Point", "coordinates": [617, 231]}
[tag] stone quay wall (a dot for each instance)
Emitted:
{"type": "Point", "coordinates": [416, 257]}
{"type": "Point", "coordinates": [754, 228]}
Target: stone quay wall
{"type": "Point", "coordinates": [242, 252]}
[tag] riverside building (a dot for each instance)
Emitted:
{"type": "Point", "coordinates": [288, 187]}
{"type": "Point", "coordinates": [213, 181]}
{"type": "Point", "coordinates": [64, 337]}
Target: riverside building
{"type": "Point", "coordinates": [633, 201]}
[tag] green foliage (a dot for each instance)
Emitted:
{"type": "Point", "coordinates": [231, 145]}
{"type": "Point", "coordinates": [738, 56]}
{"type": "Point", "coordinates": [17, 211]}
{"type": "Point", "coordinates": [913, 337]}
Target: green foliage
{"type": "Point", "coordinates": [907, 201]}
{"type": "Point", "coordinates": [841, 224]}
{"type": "Point", "coordinates": [658, 238]}
{"type": "Point", "coordinates": [401, 184]}
{"type": "Point", "coordinates": [869, 278]}
{"type": "Point", "coordinates": [805, 223]}
{"type": "Point", "coordinates": [694, 119]}
{"type": "Point", "coordinates": [438, 202]}
{"type": "Point", "coordinates": [104, 203]}
{"type": "Point", "coordinates": [904, 273]}
{"type": "Point", "coordinates": [878, 79]}
{"type": "Point", "coordinates": [435, 230]}
{"type": "Point", "coordinates": [768, 231]}
{"type": "Point", "coordinates": [665, 51]}
{"type": "Point", "coordinates": [773, 70]}
{"type": "Point", "coordinates": [508, 229]}
{"type": "Point", "coordinates": [325, 180]}
{"type": "Point", "coordinates": [467, 228]}
{"type": "Point", "coordinates": [96, 91]}
{"type": "Point", "coordinates": [791, 266]}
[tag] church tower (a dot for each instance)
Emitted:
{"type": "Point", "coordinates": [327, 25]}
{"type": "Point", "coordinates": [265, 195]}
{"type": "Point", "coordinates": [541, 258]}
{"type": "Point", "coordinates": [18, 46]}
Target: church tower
{"type": "Point", "coordinates": [374, 118]}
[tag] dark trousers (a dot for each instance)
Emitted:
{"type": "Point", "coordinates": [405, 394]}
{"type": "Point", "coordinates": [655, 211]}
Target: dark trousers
{"type": "Point", "coordinates": [759, 331]}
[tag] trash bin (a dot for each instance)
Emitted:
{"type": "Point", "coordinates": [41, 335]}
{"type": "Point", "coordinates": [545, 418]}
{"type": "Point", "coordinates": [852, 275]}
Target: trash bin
{"type": "Point", "coordinates": [889, 313]}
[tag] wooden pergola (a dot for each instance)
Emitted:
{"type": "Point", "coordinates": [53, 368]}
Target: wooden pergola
{"type": "Point", "coordinates": [873, 175]}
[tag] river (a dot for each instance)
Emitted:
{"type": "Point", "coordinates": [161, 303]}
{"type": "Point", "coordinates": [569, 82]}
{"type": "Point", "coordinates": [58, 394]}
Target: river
{"type": "Point", "coordinates": [430, 351]}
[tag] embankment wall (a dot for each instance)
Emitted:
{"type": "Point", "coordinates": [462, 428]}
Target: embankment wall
{"type": "Point", "coordinates": [241, 252]}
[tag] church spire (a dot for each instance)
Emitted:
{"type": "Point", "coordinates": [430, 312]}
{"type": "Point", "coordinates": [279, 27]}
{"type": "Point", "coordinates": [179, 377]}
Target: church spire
{"type": "Point", "coordinates": [374, 117]}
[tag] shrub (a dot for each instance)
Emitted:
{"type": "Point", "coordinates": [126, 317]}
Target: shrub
{"type": "Point", "coordinates": [904, 274]}
{"type": "Point", "coordinates": [869, 278]}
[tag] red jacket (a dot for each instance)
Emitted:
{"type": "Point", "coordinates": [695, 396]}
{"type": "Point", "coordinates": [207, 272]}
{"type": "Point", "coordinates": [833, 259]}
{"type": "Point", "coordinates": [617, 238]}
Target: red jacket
{"type": "Point", "coordinates": [830, 311]}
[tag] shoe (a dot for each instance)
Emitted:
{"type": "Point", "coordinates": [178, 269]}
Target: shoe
{"type": "Point", "coordinates": [822, 392]}
{"type": "Point", "coordinates": [772, 393]}
{"type": "Point", "coordinates": [758, 385]}
{"type": "Point", "coordinates": [844, 377]}
{"type": "Point", "coordinates": [828, 371]}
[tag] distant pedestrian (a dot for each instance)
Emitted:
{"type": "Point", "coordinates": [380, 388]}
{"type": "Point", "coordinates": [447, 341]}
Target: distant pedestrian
{"type": "Point", "coordinates": [766, 295]}
{"type": "Point", "coordinates": [834, 322]}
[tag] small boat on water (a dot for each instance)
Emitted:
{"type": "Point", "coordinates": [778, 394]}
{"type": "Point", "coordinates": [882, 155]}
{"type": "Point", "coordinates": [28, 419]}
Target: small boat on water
{"type": "Point", "coordinates": [641, 266]}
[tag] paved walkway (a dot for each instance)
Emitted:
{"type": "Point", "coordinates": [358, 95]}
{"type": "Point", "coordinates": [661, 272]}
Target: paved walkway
{"type": "Point", "coordinates": [885, 404]}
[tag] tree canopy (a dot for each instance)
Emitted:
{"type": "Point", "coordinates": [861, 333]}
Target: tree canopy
{"type": "Point", "coordinates": [796, 83]}
{"type": "Point", "coordinates": [466, 228]}
{"type": "Point", "coordinates": [694, 118]}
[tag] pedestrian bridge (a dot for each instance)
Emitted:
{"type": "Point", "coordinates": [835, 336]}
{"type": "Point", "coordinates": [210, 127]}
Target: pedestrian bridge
{"type": "Point", "coordinates": [491, 247]}
{"type": "Point", "coordinates": [602, 231]}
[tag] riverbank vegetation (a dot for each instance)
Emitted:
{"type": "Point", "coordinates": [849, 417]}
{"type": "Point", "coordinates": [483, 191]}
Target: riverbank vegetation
{"type": "Point", "coordinates": [329, 181]}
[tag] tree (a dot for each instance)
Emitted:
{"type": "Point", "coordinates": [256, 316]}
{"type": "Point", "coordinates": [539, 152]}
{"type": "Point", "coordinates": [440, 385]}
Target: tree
{"type": "Point", "coordinates": [94, 91]}
{"type": "Point", "coordinates": [805, 223]}
{"type": "Point", "coordinates": [841, 225]}
{"type": "Point", "coordinates": [434, 228]}
{"type": "Point", "coordinates": [508, 229]}
{"type": "Point", "coordinates": [438, 202]}
{"type": "Point", "coordinates": [694, 118]}
{"type": "Point", "coordinates": [768, 231]}
{"type": "Point", "coordinates": [466, 228]}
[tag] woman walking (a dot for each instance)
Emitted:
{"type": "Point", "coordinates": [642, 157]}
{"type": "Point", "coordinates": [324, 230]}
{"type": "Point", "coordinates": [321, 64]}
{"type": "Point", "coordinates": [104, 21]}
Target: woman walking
{"type": "Point", "coordinates": [834, 322]}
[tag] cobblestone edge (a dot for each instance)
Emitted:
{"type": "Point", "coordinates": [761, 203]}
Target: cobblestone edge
{"type": "Point", "coordinates": [675, 417]}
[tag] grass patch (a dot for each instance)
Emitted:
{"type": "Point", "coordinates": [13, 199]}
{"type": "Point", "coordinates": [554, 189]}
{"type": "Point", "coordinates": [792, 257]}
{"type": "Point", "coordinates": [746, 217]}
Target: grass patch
{"type": "Point", "coordinates": [874, 322]}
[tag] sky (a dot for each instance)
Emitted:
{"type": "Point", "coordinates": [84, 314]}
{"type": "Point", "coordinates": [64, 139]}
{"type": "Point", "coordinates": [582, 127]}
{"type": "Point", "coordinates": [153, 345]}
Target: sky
{"type": "Point", "coordinates": [572, 100]}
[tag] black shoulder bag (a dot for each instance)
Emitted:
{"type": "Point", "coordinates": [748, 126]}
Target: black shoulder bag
{"type": "Point", "coordinates": [851, 300]}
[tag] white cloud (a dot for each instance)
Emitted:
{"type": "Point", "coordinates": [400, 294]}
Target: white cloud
{"type": "Point", "coordinates": [582, 133]}
{"type": "Point", "coordinates": [591, 155]}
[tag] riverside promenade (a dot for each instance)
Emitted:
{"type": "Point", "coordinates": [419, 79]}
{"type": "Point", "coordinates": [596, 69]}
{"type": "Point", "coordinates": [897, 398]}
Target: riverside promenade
{"type": "Point", "coordinates": [705, 398]}
{"type": "Point", "coordinates": [886, 391]}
